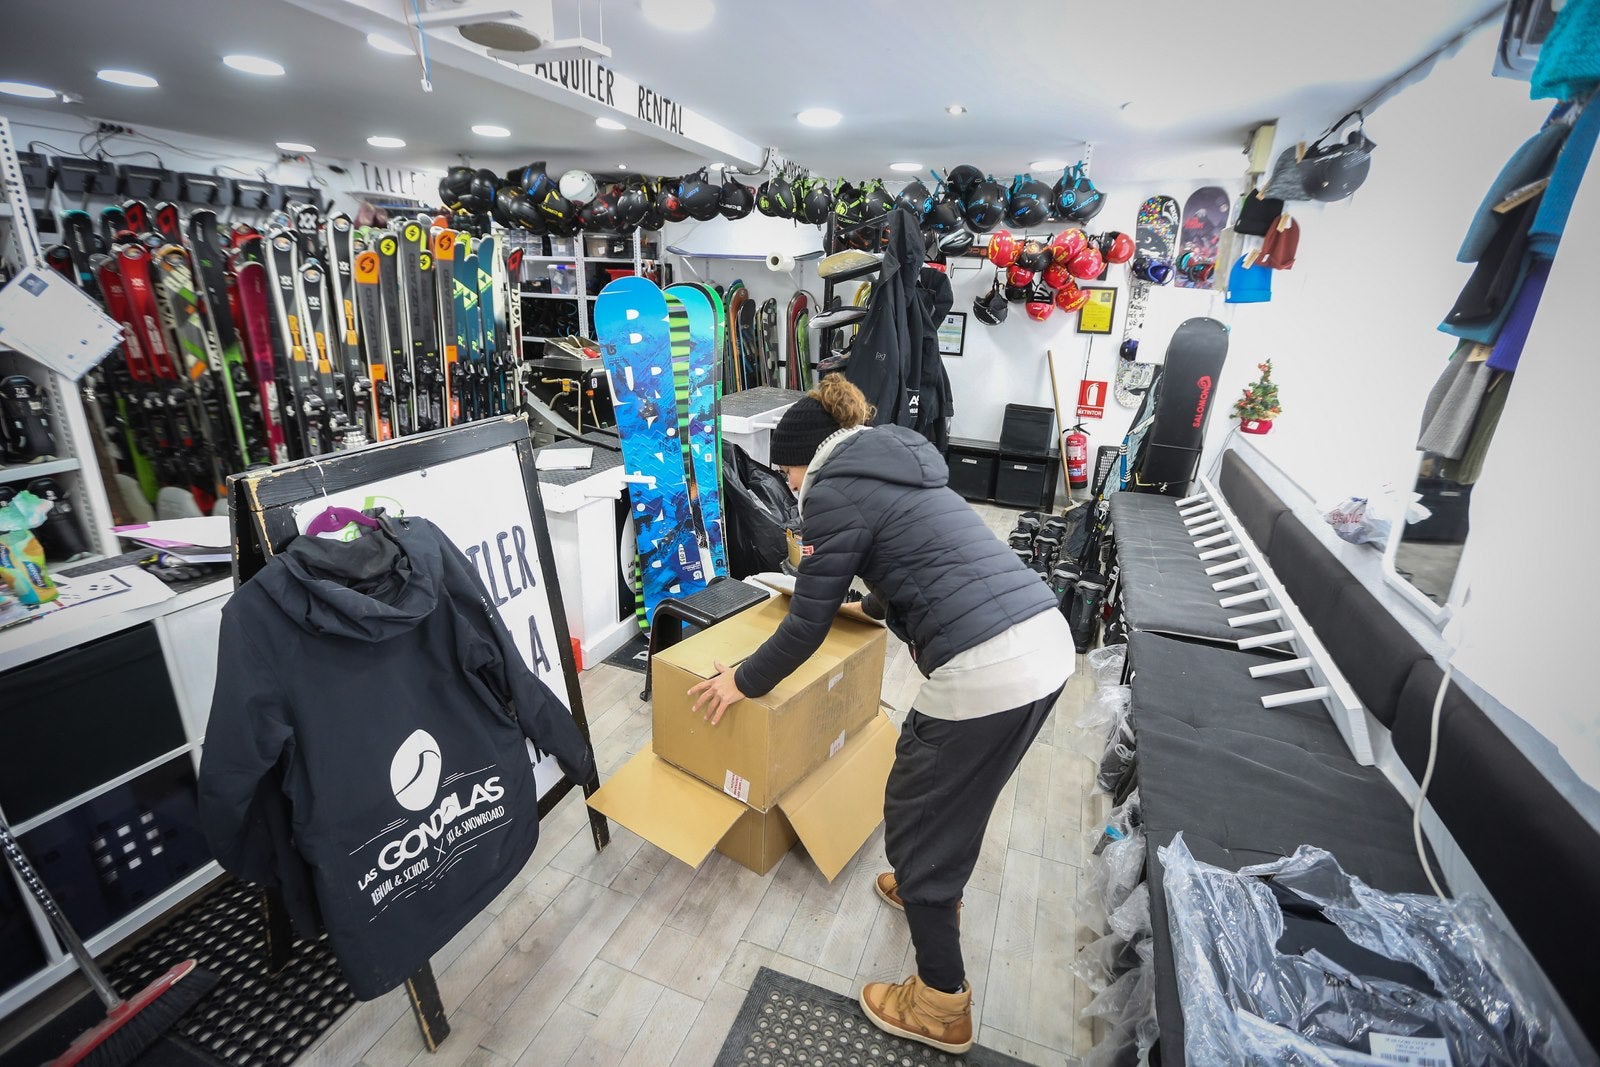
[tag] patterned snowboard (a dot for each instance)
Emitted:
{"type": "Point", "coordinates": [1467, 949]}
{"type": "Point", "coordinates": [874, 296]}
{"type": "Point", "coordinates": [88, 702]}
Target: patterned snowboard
{"type": "Point", "coordinates": [1156, 236]}
{"type": "Point", "coordinates": [631, 322]}
{"type": "Point", "coordinates": [1205, 216]}
{"type": "Point", "coordinates": [697, 396]}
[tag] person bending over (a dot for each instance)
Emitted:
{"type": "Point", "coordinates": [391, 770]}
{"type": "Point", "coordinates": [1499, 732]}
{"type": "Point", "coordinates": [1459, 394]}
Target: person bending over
{"type": "Point", "coordinates": [983, 630]}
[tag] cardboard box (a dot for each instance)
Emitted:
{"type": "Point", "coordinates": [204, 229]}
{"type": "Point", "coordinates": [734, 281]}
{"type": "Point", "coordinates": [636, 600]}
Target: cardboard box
{"type": "Point", "coordinates": [765, 745]}
{"type": "Point", "coordinates": [832, 811]}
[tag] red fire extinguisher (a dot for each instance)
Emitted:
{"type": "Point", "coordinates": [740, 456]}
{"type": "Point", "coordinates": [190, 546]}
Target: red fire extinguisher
{"type": "Point", "coordinates": [1077, 458]}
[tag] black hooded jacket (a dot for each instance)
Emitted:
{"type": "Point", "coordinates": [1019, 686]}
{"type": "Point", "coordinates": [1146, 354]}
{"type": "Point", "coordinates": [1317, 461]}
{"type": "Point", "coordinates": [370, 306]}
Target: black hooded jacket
{"type": "Point", "coordinates": [886, 356]}
{"type": "Point", "coordinates": [368, 742]}
{"type": "Point", "coordinates": [878, 507]}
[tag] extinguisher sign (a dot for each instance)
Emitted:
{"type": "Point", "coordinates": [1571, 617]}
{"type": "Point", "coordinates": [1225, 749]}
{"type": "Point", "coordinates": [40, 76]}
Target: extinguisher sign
{"type": "Point", "coordinates": [1091, 399]}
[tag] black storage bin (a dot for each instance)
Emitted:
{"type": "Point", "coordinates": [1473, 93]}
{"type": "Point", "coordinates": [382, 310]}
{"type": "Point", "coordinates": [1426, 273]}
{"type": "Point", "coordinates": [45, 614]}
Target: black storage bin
{"type": "Point", "coordinates": [1022, 482]}
{"type": "Point", "coordinates": [972, 473]}
{"type": "Point", "coordinates": [1026, 429]}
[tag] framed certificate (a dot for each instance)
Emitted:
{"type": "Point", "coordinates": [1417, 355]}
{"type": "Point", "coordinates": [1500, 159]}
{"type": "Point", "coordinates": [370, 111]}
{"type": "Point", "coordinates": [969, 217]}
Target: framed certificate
{"type": "Point", "coordinates": [953, 333]}
{"type": "Point", "coordinates": [1096, 315]}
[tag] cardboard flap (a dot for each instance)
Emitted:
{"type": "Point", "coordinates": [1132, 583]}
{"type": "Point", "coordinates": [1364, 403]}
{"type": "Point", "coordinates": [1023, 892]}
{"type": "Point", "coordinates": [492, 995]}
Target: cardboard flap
{"type": "Point", "coordinates": [734, 639]}
{"type": "Point", "coordinates": [668, 808]}
{"type": "Point", "coordinates": [838, 806]}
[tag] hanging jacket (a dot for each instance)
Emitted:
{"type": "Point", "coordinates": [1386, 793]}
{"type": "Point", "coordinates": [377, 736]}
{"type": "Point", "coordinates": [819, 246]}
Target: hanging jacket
{"type": "Point", "coordinates": [369, 738]}
{"type": "Point", "coordinates": [885, 358]}
{"type": "Point", "coordinates": [936, 405]}
{"type": "Point", "coordinates": [875, 504]}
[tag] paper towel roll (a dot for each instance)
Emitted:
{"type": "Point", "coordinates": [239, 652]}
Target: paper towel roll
{"type": "Point", "coordinates": [780, 261]}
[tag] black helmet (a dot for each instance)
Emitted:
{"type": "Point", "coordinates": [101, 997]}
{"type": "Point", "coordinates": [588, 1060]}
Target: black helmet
{"type": "Point", "coordinates": [1030, 202]}
{"type": "Point", "coordinates": [736, 201]}
{"type": "Point", "coordinates": [991, 308]}
{"type": "Point", "coordinates": [559, 216]}
{"type": "Point", "coordinates": [479, 197]}
{"type": "Point", "coordinates": [599, 214]}
{"type": "Point", "coordinates": [504, 198]}
{"type": "Point", "coordinates": [879, 202]}
{"type": "Point", "coordinates": [632, 203]}
{"type": "Point", "coordinates": [1079, 200]}
{"type": "Point", "coordinates": [916, 196]}
{"type": "Point", "coordinates": [764, 201]}
{"type": "Point", "coordinates": [700, 198]}
{"type": "Point", "coordinates": [525, 213]}
{"type": "Point", "coordinates": [849, 206]}
{"type": "Point", "coordinates": [1034, 255]}
{"type": "Point", "coordinates": [956, 242]}
{"type": "Point", "coordinates": [531, 179]}
{"type": "Point", "coordinates": [783, 199]}
{"type": "Point", "coordinates": [670, 204]}
{"type": "Point", "coordinates": [985, 206]}
{"type": "Point", "coordinates": [456, 183]}
{"type": "Point", "coordinates": [945, 216]}
{"type": "Point", "coordinates": [652, 218]}
{"type": "Point", "coordinates": [1338, 170]}
{"type": "Point", "coordinates": [817, 203]}
{"type": "Point", "coordinates": [961, 179]}
{"type": "Point", "coordinates": [1017, 294]}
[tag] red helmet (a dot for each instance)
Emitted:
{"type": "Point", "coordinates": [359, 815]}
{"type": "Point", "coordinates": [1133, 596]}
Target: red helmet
{"type": "Point", "coordinates": [1019, 276]}
{"type": "Point", "coordinates": [1002, 250]}
{"type": "Point", "coordinates": [1057, 277]}
{"type": "Point", "coordinates": [1066, 244]}
{"type": "Point", "coordinates": [1039, 305]}
{"type": "Point", "coordinates": [1087, 264]}
{"type": "Point", "coordinates": [1070, 298]}
{"type": "Point", "coordinates": [1117, 247]}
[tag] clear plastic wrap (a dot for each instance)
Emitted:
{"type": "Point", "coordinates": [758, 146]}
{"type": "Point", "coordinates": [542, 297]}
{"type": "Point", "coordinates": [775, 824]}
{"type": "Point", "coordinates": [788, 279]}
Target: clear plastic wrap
{"type": "Point", "coordinates": [1131, 920]}
{"type": "Point", "coordinates": [1247, 1002]}
{"type": "Point", "coordinates": [1105, 664]}
{"type": "Point", "coordinates": [1107, 705]}
{"type": "Point", "coordinates": [1117, 870]}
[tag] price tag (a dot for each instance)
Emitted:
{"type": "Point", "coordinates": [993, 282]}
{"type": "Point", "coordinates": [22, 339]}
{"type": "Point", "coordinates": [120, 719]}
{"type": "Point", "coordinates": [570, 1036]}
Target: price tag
{"type": "Point", "coordinates": [1410, 1051]}
{"type": "Point", "coordinates": [736, 787]}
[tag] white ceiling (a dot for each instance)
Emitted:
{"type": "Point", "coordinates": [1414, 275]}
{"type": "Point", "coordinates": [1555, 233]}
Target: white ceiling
{"type": "Point", "coordinates": [1162, 88]}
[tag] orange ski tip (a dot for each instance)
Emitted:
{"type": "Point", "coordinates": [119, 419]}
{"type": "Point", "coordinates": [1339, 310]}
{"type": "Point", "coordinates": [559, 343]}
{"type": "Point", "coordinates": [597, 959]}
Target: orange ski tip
{"type": "Point", "coordinates": [366, 268]}
{"type": "Point", "coordinates": [444, 243]}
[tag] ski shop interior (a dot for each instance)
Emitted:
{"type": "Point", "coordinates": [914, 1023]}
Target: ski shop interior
{"type": "Point", "coordinates": [1211, 314]}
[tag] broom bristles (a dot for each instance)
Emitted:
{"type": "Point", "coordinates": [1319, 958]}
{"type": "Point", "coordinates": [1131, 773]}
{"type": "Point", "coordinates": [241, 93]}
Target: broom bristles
{"type": "Point", "coordinates": [141, 1020]}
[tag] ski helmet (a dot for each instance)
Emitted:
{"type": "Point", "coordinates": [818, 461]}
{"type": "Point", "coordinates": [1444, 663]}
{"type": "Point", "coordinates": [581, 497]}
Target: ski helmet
{"type": "Point", "coordinates": [879, 202]}
{"type": "Point", "coordinates": [945, 216]}
{"type": "Point", "coordinates": [670, 204]}
{"type": "Point", "coordinates": [1087, 264]}
{"type": "Point", "coordinates": [652, 218]}
{"type": "Point", "coordinates": [1087, 200]}
{"type": "Point", "coordinates": [1337, 171]}
{"type": "Point", "coordinates": [783, 198]}
{"type": "Point", "coordinates": [1066, 244]}
{"type": "Point", "coordinates": [1070, 298]}
{"type": "Point", "coordinates": [599, 214]}
{"type": "Point", "coordinates": [915, 195]}
{"type": "Point", "coordinates": [961, 179]}
{"type": "Point", "coordinates": [525, 213]}
{"type": "Point", "coordinates": [578, 186]}
{"type": "Point", "coordinates": [1030, 202]}
{"type": "Point", "coordinates": [1016, 294]}
{"type": "Point", "coordinates": [632, 203]}
{"type": "Point", "coordinates": [1019, 276]}
{"type": "Point", "coordinates": [736, 200]}
{"type": "Point", "coordinates": [1002, 248]}
{"type": "Point", "coordinates": [480, 192]}
{"type": "Point", "coordinates": [957, 242]}
{"type": "Point", "coordinates": [1041, 303]}
{"type": "Point", "coordinates": [504, 197]}
{"type": "Point", "coordinates": [531, 179]}
{"type": "Point", "coordinates": [764, 201]}
{"type": "Point", "coordinates": [1056, 276]}
{"type": "Point", "coordinates": [985, 205]}
{"type": "Point", "coordinates": [558, 213]}
{"type": "Point", "coordinates": [456, 183]}
{"type": "Point", "coordinates": [817, 204]}
{"type": "Point", "coordinates": [1034, 255]}
{"type": "Point", "coordinates": [700, 198]}
{"type": "Point", "coordinates": [849, 206]}
{"type": "Point", "coordinates": [1116, 247]}
{"type": "Point", "coordinates": [992, 308]}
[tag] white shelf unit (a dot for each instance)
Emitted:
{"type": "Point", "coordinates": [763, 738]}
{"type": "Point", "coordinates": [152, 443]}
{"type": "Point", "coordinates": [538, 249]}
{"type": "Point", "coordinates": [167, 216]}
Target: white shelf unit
{"type": "Point", "coordinates": [582, 265]}
{"type": "Point", "coordinates": [69, 422]}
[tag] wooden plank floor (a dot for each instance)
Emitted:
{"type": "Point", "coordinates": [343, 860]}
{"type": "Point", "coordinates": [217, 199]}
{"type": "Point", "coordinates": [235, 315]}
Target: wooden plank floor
{"type": "Point", "coordinates": [627, 956]}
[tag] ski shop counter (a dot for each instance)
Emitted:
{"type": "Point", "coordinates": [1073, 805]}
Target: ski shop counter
{"type": "Point", "coordinates": [749, 415]}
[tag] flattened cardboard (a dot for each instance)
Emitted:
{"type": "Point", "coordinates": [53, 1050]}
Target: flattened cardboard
{"type": "Point", "coordinates": [840, 804]}
{"type": "Point", "coordinates": [765, 745]}
{"type": "Point", "coordinates": [667, 807]}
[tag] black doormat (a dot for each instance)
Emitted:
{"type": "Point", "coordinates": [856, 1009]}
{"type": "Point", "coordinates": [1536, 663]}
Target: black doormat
{"type": "Point", "coordinates": [633, 656]}
{"type": "Point", "coordinates": [785, 1020]}
{"type": "Point", "coordinates": [251, 1019]}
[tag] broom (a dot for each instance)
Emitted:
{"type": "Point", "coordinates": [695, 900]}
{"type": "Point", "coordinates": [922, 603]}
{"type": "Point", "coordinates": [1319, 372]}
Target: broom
{"type": "Point", "coordinates": [132, 1025]}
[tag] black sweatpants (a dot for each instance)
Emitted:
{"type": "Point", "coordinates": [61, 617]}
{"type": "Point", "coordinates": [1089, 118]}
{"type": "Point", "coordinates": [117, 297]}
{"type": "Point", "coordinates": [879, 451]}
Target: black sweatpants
{"type": "Point", "coordinates": [947, 776]}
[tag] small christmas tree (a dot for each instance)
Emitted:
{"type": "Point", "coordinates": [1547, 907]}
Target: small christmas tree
{"type": "Point", "coordinates": [1260, 400]}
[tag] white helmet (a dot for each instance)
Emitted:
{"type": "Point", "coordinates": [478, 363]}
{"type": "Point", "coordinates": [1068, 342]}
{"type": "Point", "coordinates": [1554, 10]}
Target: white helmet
{"type": "Point", "coordinates": [578, 186]}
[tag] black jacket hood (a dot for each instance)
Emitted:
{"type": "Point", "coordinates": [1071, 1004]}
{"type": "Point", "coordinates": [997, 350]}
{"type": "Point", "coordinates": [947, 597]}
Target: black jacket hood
{"type": "Point", "coordinates": [894, 454]}
{"type": "Point", "coordinates": [369, 589]}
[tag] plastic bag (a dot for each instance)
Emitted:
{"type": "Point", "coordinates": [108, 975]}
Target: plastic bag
{"type": "Point", "coordinates": [1116, 871]}
{"type": "Point", "coordinates": [1104, 960]}
{"type": "Point", "coordinates": [1105, 706]}
{"type": "Point", "coordinates": [1131, 921]}
{"type": "Point", "coordinates": [1247, 1002]}
{"type": "Point", "coordinates": [1106, 664]}
{"type": "Point", "coordinates": [759, 511]}
{"type": "Point", "coordinates": [1354, 521]}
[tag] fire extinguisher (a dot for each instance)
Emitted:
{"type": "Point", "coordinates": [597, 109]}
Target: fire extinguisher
{"type": "Point", "coordinates": [1077, 458]}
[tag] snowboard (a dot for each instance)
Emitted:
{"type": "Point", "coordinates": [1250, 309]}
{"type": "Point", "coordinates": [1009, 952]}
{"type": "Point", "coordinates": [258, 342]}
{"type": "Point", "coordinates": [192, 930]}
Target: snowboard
{"type": "Point", "coordinates": [1155, 236]}
{"type": "Point", "coordinates": [1205, 216]}
{"type": "Point", "coordinates": [733, 361]}
{"type": "Point", "coordinates": [767, 328]}
{"type": "Point", "coordinates": [1174, 429]}
{"type": "Point", "coordinates": [750, 369]}
{"type": "Point", "coordinates": [697, 395]}
{"type": "Point", "coordinates": [630, 317]}
{"type": "Point", "coordinates": [797, 341]}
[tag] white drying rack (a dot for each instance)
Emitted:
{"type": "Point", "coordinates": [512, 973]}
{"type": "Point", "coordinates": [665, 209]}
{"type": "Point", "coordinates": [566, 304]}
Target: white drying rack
{"type": "Point", "coordinates": [1218, 534]}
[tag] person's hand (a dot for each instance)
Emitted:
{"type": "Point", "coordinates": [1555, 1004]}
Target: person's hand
{"type": "Point", "coordinates": [716, 694]}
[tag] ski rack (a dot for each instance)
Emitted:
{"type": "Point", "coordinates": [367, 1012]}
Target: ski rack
{"type": "Point", "coordinates": [1248, 579]}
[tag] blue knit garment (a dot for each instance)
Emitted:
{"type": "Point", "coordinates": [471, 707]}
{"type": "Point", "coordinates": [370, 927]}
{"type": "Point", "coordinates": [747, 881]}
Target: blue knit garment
{"type": "Point", "coordinates": [1569, 61]}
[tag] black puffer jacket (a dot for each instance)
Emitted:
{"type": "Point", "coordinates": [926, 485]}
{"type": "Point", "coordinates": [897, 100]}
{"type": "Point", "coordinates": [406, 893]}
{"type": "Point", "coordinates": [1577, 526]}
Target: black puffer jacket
{"type": "Point", "coordinates": [879, 507]}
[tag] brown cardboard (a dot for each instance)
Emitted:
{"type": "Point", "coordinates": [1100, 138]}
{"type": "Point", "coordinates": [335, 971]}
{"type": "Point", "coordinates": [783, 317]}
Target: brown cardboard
{"type": "Point", "coordinates": [765, 745]}
{"type": "Point", "coordinates": [832, 812]}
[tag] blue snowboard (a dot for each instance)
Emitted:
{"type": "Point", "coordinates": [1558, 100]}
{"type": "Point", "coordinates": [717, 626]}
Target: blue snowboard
{"type": "Point", "coordinates": [702, 396]}
{"type": "Point", "coordinates": [630, 318]}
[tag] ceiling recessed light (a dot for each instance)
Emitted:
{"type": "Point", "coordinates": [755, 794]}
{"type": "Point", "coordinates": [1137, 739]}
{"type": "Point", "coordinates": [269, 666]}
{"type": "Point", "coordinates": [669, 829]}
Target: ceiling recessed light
{"type": "Point", "coordinates": [609, 124]}
{"type": "Point", "coordinates": [1048, 164]}
{"type": "Point", "coordinates": [132, 79]}
{"type": "Point", "coordinates": [905, 166]}
{"type": "Point", "coordinates": [679, 16]}
{"type": "Point", "coordinates": [821, 117]}
{"type": "Point", "coordinates": [484, 129]}
{"type": "Point", "coordinates": [294, 146]}
{"type": "Point", "coordinates": [380, 141]}
{"type": "Point", "coordinates": [956, 109]}
{"type": "Point", "coordinates": [27, 89]}
{"type": "Point", "coordinates": [270, 68]}
{"type": "Point", "coordinates": [388, 45]}
{"type": "Point", "coordinates": [622, 166]}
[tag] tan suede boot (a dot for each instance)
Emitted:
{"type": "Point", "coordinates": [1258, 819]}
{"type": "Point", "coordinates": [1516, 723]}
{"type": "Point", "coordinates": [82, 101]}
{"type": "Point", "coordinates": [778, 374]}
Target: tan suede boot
{"type": "Point", "coordinates": [889, 889]}
{"type": "Point", "coordinates": [919, 1013]}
